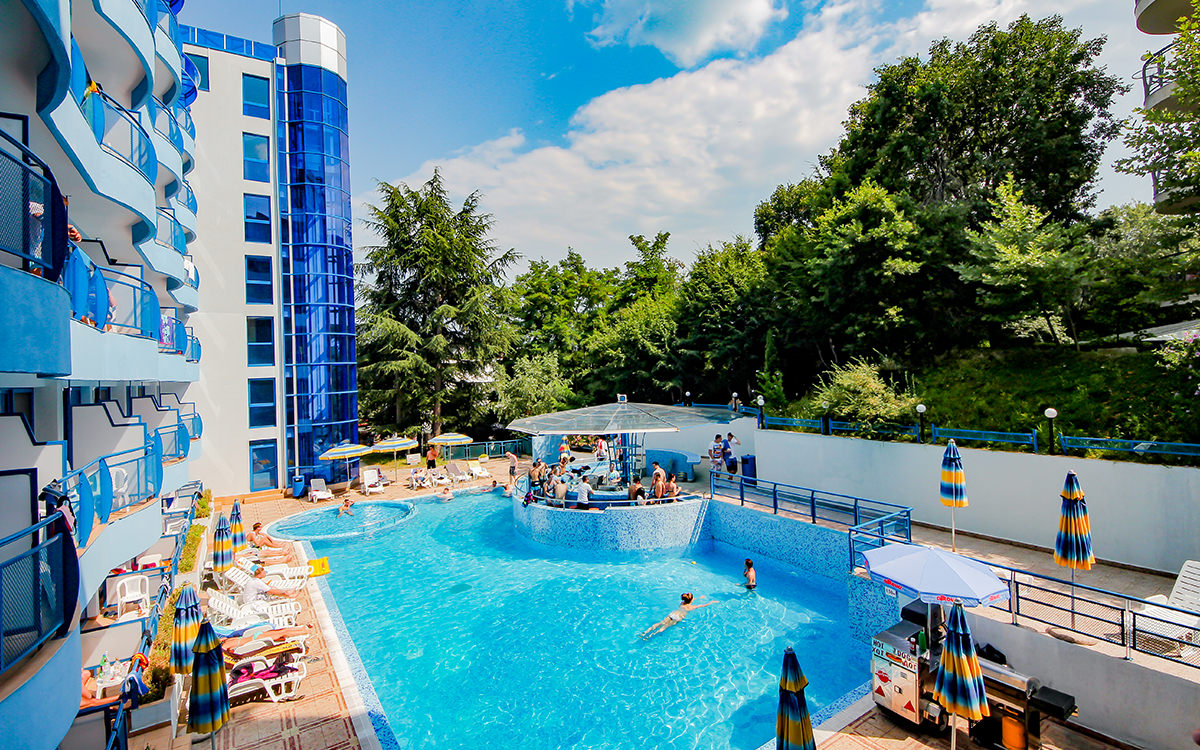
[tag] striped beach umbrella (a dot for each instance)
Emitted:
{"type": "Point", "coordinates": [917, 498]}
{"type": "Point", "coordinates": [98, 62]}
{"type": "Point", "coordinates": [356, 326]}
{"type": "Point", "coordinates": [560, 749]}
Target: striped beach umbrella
{"type": "Point", "coordinates": [959, 685]}
{"type": "Point", "coordinates": [237, 535]}
{"type": "Point", "coordinates": [222, 551]}
{"type": "Point", "coordinates": [208, 706]}
{"type": "Point", "coordinates": [346, 451]}
{"type": "Point", "coordinates": [1073, 545]}
{"type": "Point", "coordinates": [793, 726]}
{"type": "Point", "coordinates": [395, 444]}
{"type": "Point", "coordinates": [450, 438]}
{"type": "Point", "coordinates": [954, 486]}
{"type": "Point", "coordinates": [184, 630]}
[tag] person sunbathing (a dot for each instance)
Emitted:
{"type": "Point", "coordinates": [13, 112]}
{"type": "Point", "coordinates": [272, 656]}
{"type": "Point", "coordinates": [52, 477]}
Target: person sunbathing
{"type": "Point", "coordinates": [89, 693]}
{"type": "Point", "coordinates": [262, 539]}
{"type": "Point", "coordinates": [278, 635]}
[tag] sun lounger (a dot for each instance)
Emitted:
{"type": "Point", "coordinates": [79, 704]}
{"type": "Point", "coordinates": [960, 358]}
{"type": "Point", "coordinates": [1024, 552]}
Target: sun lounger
{"type": "Point", "coordinates": [371, 482]}
{"type": "Point", "coordinates": [279, 680]}
{"type": "Point", "coordinates": [438, 478]}
{"type": "Point", "coordinates": [455, 470]}
{"type": "Point", "coordinates": [240, 578]}
{"type": "Point", "coordinates": [265, 648]}
{"type": "Point", "coordinates": [318, 491]}
{"type": "Point", "coordinates": [417, 481]}
{"type": "Point", "coordinates": [477, 470]}
{"type": "Point", "coordinates": [1174, 626]}
{"type": "Point", "coordinates": [280, 614]}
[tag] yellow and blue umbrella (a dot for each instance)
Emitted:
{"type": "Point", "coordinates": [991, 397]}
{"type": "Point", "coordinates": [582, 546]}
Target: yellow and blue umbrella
{"type": "Point", "coordinates": [222, 552]}
{"type": "Point", "coordinates": [793, 726]}
{"type": "Point", "coordinates": [1073, 545]}
{"type": "Point", "coordinates": [185, 629]}
{"type": "Point", "coordinates": [959, 684]}
{"type": "Point", "coordinates": [346, 451]}
{"type": "Point", "coordinates": [208, 707]}
{"type": "Point", "coordinates": [395, 444]}
{"type": "Point", "coordinates": [450, 438]}
{"type": "Point", "coordinates": [954, 486]}
{"type": "Point", "coordinates": [237, 536]}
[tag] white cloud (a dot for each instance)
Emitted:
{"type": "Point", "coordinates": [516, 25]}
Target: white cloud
{"type": "Point", "coordinates": [694, 153]}
{"type": "Point", "coordinates": [686, 31]}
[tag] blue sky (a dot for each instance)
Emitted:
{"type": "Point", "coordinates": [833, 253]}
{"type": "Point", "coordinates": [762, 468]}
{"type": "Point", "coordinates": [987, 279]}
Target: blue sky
{"type": "Point", "coordinates": [585, 121]}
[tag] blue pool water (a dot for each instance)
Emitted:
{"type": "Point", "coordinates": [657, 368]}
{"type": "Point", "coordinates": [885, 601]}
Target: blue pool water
{"type": "Point", "coordinates": [473, 637]}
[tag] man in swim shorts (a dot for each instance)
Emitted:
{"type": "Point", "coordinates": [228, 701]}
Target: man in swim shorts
{"type": "Point", "coordinates": [685, 606]}
{"type": "Point", "coordinates": [512, 466]}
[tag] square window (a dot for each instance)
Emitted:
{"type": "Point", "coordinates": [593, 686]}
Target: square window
{"type": "Point", "coordinates": [264, 461]}
{"type": "Point", "coordinates": [256, 158]}
{"type": "Point", "coordinates": [260, 342]}
{"type": "Point", "coordinates": [256, 96]}
{"type": "Point", "coordinates": [259, 281]}
{"type": "Point", "coordinates": [201, 63]}
{"type": "Point", "coordinates": [258, 217]}
{"type": "Point", "coordinates": [262, 402]}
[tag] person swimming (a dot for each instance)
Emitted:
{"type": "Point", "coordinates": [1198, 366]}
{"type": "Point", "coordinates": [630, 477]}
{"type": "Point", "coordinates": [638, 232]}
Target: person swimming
{"type": "Point", "coordinates": [676, 616]}
{"type": "Point", "coordinates": [749, 574]}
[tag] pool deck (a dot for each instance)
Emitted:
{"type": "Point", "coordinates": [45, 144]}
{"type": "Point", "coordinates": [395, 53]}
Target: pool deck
{"type": "Point", "coordinates": [329, 715]}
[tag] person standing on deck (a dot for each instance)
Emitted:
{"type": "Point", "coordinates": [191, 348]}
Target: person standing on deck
{"type": "Point", "coordinates": [728, 453]}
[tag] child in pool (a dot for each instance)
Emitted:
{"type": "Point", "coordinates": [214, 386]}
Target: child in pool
{"type": "Point", "coordinates": [685, 606]}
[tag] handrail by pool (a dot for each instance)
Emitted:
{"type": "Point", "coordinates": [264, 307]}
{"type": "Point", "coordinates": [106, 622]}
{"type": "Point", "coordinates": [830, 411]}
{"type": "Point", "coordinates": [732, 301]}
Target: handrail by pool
{"type": "Point", "coordinates": [38, 586]}
{"type": "Point", "coordinates": [818, 505]}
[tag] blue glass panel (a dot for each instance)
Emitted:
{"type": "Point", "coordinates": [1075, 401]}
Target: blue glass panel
{"type": "Point", "coordinates": [261, 402]}
{"type": "Point", "coordinates": [264, 460]}
{"type": "Point", "coordinates": [210, 39]}
{"type": "Point", "coordinates": [258, 280]}
{"type": "Point", "coordinates": [201, 63]}
{"type": "Point", "coordinates": [256, 96]}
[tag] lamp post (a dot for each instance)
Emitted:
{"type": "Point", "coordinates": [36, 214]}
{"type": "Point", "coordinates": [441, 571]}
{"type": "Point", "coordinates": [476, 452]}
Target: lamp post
{"type": "Point", "coordinates": [733, 403]}
{"type": "Point", "coordinates": [762, 412]}
{"type": "Point", "coordinates": [1051, 413]}
{"type": "Point", "coordinates": [921, 422]}
{"type": "Point", "coordinates": [826, 428]}
{"type": "Point", "coordinates": [687, 398]}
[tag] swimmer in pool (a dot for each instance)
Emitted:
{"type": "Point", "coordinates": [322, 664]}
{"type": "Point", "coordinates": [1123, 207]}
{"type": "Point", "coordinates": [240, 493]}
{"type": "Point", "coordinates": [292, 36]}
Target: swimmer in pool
{"type": "Point", "coordinates": [445, 495]}
{"type": "Point", "coordinates": [685, 606]}
{"type": "Point", "coordinates": [345, 509]}
{"type": "Point", "coordinates": [750, 576]}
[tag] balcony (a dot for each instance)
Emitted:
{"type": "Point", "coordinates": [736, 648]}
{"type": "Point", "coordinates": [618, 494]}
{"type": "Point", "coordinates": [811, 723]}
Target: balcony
{"type": "Point", "coordinates": [1158, 84]}
{"type": "Point", "coordinates": [182, 348]}
{"type": "Point", "coordinates": [183, 205]}
{"type": "Point", "coordinates": [1160, 16]}
{"type": "Point", "coordinates": [168, 147]}
{"type": "Point", "coordinates": [33, 33]}
{"type": "Point", "coordinates": [117, 39]}
{"type": "Point", "coordinates": [33, 240]}
{"type": "Point", "coordinates": [187, 127]}
{"type": "Point", "coordinates": [187, 294]}
{"type": "Point", "coordinates": [1171, 200]}
{"type": "Point", "coordinates": [39, 575]}
{"type": "Point", "coordinates": [168, 46]}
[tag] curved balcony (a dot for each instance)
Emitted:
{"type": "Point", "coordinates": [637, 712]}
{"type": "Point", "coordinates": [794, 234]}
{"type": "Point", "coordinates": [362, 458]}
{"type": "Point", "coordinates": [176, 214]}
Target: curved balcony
{"type": "Point", "coordinates": [1160, 16]}
{"type": "Point", "coordinates": [117, 39]}
{"type": "Point", "coordinates": [1172, 200]}
{"type": "Point", "coordinates": [168, 45]}
{"type": "Point", "coordinates": [1158, 83]}
{"type": "Point", "coordinates": [47, 25]}
{"type": "Point", "coordinates": [132, 305]}
{"type": "Point", "coordinates": [39, 575]}
{"type": "Point", "coordinates": [168, 147]}
{"type": "Point", "coordinates": [183, 204]}
{"type": "Point", "coordinates": [170, 232]}
{"type": "Point", "coordinates": [187, 130]}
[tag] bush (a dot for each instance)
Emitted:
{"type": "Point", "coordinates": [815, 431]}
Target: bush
{"type": "Point", "coordinates": [187, 561]}
{"type": "Point", "coordinates": [858, 392]}
{"type": "Point", "coordinates": [204, 507]}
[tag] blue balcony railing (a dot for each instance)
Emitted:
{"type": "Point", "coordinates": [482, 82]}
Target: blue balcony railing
{"type": "Point", "coordinates": [184, 117]}
{"type": "Point", "coordinates": [193, 346]}
{"type": "Point", "coordinates": [33, 220]}
{"type": "Point", "coordinates": [175, 441]}
{"type": "Point", "coordinates": [132, 304]}
{"type": "Point", "coordinates": [187, 197]}
{"type": "Point", "coordinates": [119, 131]}
{"type": "Point", "coordinates": [168, 23]}
{"type": "Point", "coordinates": [191, 276]}
{"type": "Point", "coordinates": [169, 232]}
{"type": "Point", "coordinates": [165, 124]}
{"type": "Point", "coordinates": [39, 583]}
{"type": "Point", "coordinates": [193, 423]}
{"type": "Point", "coordinates": [110, 483]}
{"type": "Point", "coordinates": [87, 289]}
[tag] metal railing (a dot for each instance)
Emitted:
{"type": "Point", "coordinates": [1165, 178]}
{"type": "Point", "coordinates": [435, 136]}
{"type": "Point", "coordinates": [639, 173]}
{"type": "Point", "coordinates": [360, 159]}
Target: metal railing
{"type": "Point", "coordinates": [192, 351]}
{"type": "Point", "coordinates": [541, 498]}
{"type": "Point", "coordinates": [172, 335]}
{"type": "Point", "coordinates": [805, 424]}
{"type": "Point", "coordinates": [165, 124]}
{"type": "Point", "coordinates": [187, 196]}
{"type": "Point", "coordinates": [193, 424]}
{"type": "Point", "coordinates": [110, 483]}
{"type": "Point", "coordinates": [87, 289]}
{"type": "Point", "coordinates": [119, 132]}
{"type": "Point", "coordinates": [491, 448]}
{"type": "Point", "coordinates": [38, 585]}
{"type": "Point", "coordinates": [184, 117]}
{"type": "Point", "coordinates": [132, 304]}
{"type": "Point", "coordinates": [28, 219]}
{"type": "Point", "coordinates": [817, 505]}
{"type": "Point", "coordinates": [191, 276]}
{"type": "Point", "coordinates": [1156, 71]}
{"type": "Point", "coordinates": [168, 23]}
{"type": "Point", "coordinates": [987, 436]}
{"type": "Point", "coordinates": [876, 532]}
{"type": "Point", "coordinates": [875, 428]}
{"type": "Point", "coordinates": [169, 232]}
{"type": "Point", "coordinates": [175, 441]}
{"type": "Point", "coordinates": [1128, 446]}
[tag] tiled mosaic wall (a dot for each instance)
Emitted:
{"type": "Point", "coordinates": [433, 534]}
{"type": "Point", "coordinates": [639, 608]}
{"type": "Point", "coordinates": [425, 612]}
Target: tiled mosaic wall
{"type": "Point", "coordinates": [670, 526]}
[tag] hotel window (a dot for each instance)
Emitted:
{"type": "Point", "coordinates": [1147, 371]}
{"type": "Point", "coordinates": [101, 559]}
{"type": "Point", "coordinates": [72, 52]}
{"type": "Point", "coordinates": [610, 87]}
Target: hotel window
{"type": "Point", "coordinates": [260, 341]}
{"type": "Point", "coordinates": [256, 97]}
{"type": "Point", "coordinates": [262, 402]}
{"type": "Point", "coordinates": [258, 217]}
{"type": "Point", "coordinates": [201, 63]}
{"type": "Point", "coordinates": [258, 280]}
{"type": "Point", "coordinates": [264, 460]}
{"type": "Point", "coordinates": [256, 157]}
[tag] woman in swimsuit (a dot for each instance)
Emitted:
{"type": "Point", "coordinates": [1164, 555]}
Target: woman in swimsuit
{"type": "Point", "coordinates": [685, 606]}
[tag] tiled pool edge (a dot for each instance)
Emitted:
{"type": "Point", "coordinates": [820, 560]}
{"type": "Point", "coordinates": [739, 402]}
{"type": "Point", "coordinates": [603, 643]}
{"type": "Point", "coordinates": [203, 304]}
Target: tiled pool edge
{"type": "Point", "coordinates": [836, 716]}
{"type": "Point", "coordinates": [366, 712]}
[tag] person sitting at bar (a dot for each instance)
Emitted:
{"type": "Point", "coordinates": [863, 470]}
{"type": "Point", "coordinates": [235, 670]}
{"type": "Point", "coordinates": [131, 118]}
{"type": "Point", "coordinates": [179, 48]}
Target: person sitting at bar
{"type": "Point", "coordinates": [584, 491]}
{"type": "Point", "coordinates": [637, 493]}
{"type": "Point", "coordinates": [672, 487]}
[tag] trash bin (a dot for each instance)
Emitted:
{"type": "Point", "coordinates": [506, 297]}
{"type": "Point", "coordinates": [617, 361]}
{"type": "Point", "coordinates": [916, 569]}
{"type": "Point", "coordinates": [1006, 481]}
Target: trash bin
{"type": "Point", "coordinates": [749, 469]}
{"type": "Point", "coordinates": [298, 486]}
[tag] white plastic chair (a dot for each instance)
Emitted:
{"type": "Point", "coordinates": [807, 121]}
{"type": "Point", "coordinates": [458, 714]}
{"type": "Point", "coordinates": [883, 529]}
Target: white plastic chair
{"type": "Point", "coordinates": [133, 591]}
{"type": "Point", "coordinates": [477, 470]}
{"type": "Point", "coordinates": [371, 481]}
{"type": "Point", "coordinates": [120, 487]}
{"type": "Point", "coordinates": [318, 491]}
{"type": "Point", "coordinates": [149, 561]}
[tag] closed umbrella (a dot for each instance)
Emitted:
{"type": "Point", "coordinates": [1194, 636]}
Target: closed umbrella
{"type": "Point", "coordinates": [394, 444]}
{"type": "Point", "coordinates": [793, 726]}
{"type": "Point", "coordinates": [237, 535]}
{"type": "Point", "coordinates": [954, 486]}
{"type": "Point", "coordinates": [222, 552]}
{"type": "Point", "coordinates": [346, 451]}
{"type": "Point", "coordinates": [959, 684]}
{"type": "Point", "coordinates": [184, 630]}
{"type": "Point", "coordinates": [1073, 545]}
{"type": "Point", "coordinates": [208, 706]}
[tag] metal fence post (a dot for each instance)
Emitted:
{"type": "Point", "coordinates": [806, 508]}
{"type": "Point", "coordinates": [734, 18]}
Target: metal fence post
{"type": "Point", "coordinates": [812, 507]}
{"type": "Point", "coordinates": [857, 520]}
{"type": "Point", "coordinates": [775, 497]}
{"type": "Point", "coordinates": [742, 489]}
{"type": "Point", "coordinates": [1128, 632]}
{"type": "Point", "coordinates": [1014, 596]}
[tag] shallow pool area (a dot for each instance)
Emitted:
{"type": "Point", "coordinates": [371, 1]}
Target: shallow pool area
{"type": "Point", "coordinates": [365, 517]}
{"type": "Point", "coordinates": [472, 635]}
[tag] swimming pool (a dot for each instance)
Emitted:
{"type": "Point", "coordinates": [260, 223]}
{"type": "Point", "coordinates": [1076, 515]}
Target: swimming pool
{"type": "Point", "coordinates": [472, 636]}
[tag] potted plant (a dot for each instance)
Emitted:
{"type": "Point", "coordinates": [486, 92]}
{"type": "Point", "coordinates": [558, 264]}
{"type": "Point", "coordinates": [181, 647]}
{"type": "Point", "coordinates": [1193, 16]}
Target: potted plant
{"type": "Point", "coordinates": [158, 707]}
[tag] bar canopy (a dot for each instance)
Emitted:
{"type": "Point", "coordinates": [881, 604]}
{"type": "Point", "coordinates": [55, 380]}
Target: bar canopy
{"type": "Point", "coordinates": [610, 419]}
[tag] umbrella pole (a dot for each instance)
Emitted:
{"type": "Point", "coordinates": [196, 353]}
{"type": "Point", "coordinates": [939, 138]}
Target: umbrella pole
{"type": "Point", "coordinates": [953, 531]}
{"type": "Point", "coordinates": [953, 731]}
{"type": "Point", "coordinates": [1072, 598]}
{"type": "Point", "coordinates": [396, 461]}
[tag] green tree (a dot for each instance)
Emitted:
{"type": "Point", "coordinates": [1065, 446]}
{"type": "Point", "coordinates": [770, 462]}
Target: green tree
{"type": "Point", "coordinates": [652, 273]}
{"type": "Point", "coordinates": [1027, 100]}
{"type": "Point", "coordinates": [633, 354]}
{"type": "Point", "coordinates": [430, 323]}
{"type": "Point", "coordinates": [1028, 266]}
{"type": "Point", "coordinates": [557, 307]}
{"type": "Point", "coordinates": [720, 321]}
{"type": "Point", "coordinates": [858, 392]}
{"type": "Point", "coordinates": [790, 206]}
{"type": "Point", "coordinates": [536, 386]}
{"type": "Point", "coordinates": [1166, 141]}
